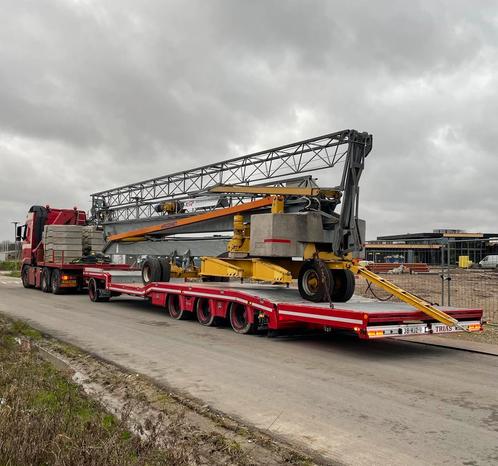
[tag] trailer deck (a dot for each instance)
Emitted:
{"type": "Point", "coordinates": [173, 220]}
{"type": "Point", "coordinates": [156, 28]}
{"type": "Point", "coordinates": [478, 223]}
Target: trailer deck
{"type": "Point", "coordinates": [277, 308]}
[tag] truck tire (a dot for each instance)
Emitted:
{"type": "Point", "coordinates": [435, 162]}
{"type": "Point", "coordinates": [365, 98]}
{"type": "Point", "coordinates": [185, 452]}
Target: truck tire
{"type": "Point", "coordinates": [310, 282]}
{"type": "Point", "coordinates": [45, 278]}
{"type": "Point", "coordinates": [343, 285]}
{"type": "Point", "coordinates": [151, 270]}
{"type": "Point", "coordinates": [94, 292]}
{"type": "Point", "coordinates": [240, 319]}
{"type": "Point", "coordinates": [25, 276]}
{"type": "Point", "coordinates": [165, 269]}
{"type": "Point", "coordinates": [174, 307]}
{"type": "Point", "coordinates": [55, 282]}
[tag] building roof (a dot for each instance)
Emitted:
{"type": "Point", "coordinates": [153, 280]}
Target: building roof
{"type": "Point", "coordinates": [401, 246]}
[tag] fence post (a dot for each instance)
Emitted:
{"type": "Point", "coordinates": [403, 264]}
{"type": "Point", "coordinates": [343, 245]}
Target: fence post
{"type": "Point", "coordinates": [448, 278]}
{"type": "Point", "coordinates": [442, 273]}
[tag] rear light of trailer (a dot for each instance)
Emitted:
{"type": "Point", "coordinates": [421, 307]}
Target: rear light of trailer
{"type": "Point", "coordinates": [474, 327]}
{"type": "Point", "coordinates": [376, 333]}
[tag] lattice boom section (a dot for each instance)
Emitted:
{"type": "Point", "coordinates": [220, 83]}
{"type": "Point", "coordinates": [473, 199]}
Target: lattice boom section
{"type": "Point", "coordinates": [135, 200]}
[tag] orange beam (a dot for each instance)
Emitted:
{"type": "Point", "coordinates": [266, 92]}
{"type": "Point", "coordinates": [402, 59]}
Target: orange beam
{"type": "Point", "coordinates": [267, 201]}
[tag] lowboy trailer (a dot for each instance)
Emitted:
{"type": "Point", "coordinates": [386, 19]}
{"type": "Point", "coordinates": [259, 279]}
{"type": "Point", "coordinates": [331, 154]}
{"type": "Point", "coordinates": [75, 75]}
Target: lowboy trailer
{"type": "Point", "coordinates": [250, 307]}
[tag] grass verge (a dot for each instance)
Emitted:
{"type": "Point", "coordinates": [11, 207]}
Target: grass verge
{"type": "Point", "coordinates": [10, 266]}
{"type": "Point", "coordinates": [47, 419]}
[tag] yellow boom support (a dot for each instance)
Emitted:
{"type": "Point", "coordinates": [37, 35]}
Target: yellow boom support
{"type": "Point", "coordinates": [405, 296]}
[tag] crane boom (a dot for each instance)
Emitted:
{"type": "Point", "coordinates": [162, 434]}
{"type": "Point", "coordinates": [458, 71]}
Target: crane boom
{"type": "Point", "coordinates": [135, 201]}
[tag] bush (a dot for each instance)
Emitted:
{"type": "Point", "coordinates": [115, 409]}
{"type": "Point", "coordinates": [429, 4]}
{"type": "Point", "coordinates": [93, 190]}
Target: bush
{"type": "Point", "coordinates": [10, 265]}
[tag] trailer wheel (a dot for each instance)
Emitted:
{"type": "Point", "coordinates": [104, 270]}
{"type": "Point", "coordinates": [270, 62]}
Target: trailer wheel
{"type": "Point", "coordinates": [175, 309]}
{"type": "Point", "coordinates": [94, 292]}
{"type": "Point", "coordinates": [343, 285]}
{"type": "Point", "coordinates": [204, 313]}
{"type": "Point", "coordinates": [55, 282]}
{"type": "Point", "coordinates": [311, 283]}
{"type": "Point", "coordinates": [45, 284]}
{"type": "Point", "coordinates": [151, 270]}
{"type": "Point", "coordinates": [165, 269]}
{"type": "Point", "coordinates": [25, 276]}
{"type": "Point", "coordinates": [240, 319]}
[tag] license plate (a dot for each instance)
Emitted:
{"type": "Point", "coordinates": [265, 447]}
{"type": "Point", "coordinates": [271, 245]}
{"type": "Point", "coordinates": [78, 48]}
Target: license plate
{"type": "Point", "coordinates": [414, 330]}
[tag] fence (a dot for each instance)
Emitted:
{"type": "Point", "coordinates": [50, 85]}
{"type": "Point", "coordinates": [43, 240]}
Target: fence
{"type": "Point", "coordinates": [471, 288]}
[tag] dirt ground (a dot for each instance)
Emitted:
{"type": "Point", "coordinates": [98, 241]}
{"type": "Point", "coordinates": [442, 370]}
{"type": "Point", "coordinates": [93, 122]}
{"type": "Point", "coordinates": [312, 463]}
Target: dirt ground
{"type": "Point", "coordinates": [203, 435]}
{"type": "Point", "coordinates": [468, 288]}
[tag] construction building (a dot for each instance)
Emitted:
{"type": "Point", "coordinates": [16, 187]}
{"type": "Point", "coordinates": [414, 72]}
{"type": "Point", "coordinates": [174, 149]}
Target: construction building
{"type": "Point", "coordinates": [428, 247]}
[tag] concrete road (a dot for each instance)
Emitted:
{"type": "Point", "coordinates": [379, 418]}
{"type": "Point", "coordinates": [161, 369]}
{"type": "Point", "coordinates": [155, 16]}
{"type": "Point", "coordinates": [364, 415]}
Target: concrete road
{"type": "Point", "coordinates": [382, 402]}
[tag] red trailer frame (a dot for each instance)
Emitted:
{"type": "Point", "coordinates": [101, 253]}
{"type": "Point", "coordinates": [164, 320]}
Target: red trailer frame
{"type": "Point", "coordinates": [248, 306]}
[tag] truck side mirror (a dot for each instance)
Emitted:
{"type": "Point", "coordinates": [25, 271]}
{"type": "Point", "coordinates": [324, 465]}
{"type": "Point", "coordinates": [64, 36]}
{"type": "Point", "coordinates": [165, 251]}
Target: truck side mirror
{"type": "Point", "coordinates": [20, 234]}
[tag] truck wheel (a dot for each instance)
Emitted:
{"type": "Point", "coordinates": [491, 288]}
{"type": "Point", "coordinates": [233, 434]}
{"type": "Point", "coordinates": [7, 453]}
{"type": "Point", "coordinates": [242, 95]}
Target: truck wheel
{"type": "Point", "coordinates": [204, 314]}
{"type": "Point", "coordinates": [310, 281]}
{"type": "Point", "coordinates": [165, 269]}
{"type": "Point", "coordinates": [174, 307]}
{"type": "Point", "coordinates": [343, 285]}
{"type": "Point", "coordinates": [240, 319]}
{"type": "Point", "coordinates": [94, 292]}
{"type": "Point", "coordinates": [45, 284]}
{"type": "Point", "coordinates": [25, 276]}
{"type": "Point", "coordinates": [56, 282]}
{"type": "Point", "coordinates": [151, 270]}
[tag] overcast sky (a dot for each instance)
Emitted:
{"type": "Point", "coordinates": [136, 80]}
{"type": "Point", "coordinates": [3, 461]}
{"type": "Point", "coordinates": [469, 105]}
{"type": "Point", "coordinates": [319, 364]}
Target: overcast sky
{"type": "Point", "coordinates": [95, 94]}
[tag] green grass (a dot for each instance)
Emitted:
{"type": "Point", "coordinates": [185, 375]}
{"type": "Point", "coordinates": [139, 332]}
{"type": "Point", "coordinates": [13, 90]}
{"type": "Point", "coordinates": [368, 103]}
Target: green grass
{"type": "Point", "coordinates": [10, 265]}
{"type": "Point", "coordinates": [47, 419]}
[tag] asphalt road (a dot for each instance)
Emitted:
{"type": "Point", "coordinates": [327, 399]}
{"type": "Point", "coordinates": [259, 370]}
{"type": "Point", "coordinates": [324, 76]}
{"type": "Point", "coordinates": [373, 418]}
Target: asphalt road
{"type": "Point", "coordinates": [381, 402]}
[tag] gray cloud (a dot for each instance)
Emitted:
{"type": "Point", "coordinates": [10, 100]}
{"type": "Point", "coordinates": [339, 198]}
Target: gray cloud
{"type": "Point", "coordinates": [95, 94]}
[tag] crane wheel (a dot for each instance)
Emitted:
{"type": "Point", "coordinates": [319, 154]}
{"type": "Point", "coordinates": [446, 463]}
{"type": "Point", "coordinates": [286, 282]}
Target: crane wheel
{"type": "Point", "coordinates": [204, 313]}
{"type": "Point", "coordinates": [165, 269]}
{"type": "Point", "coordinates": [151, 270]}
{"type": "Point", "coordinates": [343, 285]}
{"type": "Point", "coordinates": [45, 278]}
{"type": "Point", "coordinates": [240, 319]}
{"type": "Point", "coordinates": [175, 308]}
{"type": "Point", "coordinates": [311, 283]}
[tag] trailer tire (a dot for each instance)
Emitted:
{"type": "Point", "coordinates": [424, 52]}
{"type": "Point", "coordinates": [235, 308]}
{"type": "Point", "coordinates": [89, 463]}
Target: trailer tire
{"type": "Point", "coordinates": [151, 270]}
{"type": "Point", "coordinates": [165, 269]}
{"type": "Point", "coordinates": [204, 313]}
{"type": "Point", "coordinates": [55, 282]}
{"type": "Point", "coordinates": [309, 282]}
{"type": "Point", "coordinates": [25, 276]}
{"type": "Point", "coordinates": [174, 307]}
{"type": "Point", "coordinates": [239, 319]}
{"type": "Point", "coordinates": [45, 280]}
{"type": "Point", "coordinates": [94, 292]}
{"type": "Point", "coordinates": [343, 285]}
